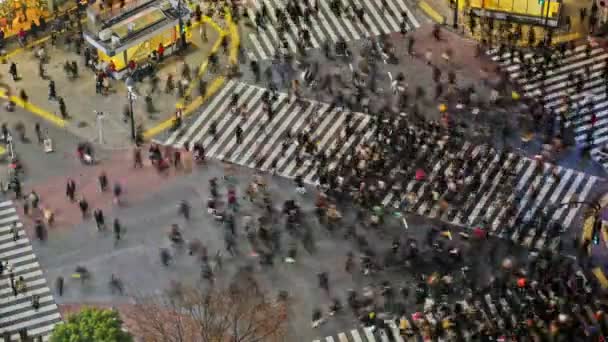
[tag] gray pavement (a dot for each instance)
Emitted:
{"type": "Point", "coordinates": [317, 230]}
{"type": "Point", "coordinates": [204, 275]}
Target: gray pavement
{"type": "Point", "coordinates": [135, 258]}
{"type": "Point", "coordinates": [151, 200]}
{"type": "Point", "coordinates": [82, 101]}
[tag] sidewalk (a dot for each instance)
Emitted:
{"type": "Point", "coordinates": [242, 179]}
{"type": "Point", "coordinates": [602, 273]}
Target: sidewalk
{"type": "Point", "coordinates": [81, 99]}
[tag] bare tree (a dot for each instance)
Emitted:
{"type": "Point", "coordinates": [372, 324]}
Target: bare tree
{"type": "Point", "coordinates": [240, 312]}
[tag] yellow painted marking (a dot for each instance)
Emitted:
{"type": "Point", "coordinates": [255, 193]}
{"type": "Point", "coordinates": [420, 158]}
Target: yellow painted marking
{"type": "Point", "coordinates": [215, 85]}
{"type": "Point", "coordinates": [211, 23]}
{"type": "Point", "coordinates": [201, 72]}
{"type": "Point", "coordinates": [205, 64]}
{"type": "Point", "coordinates": [28, 46]}
{"type": "Point", "coordinates": [588, 228]}
{"type": "Point", "coordinates": [30, 107]}
{"type": "Point", "coordinates": [599, 274]}
{"type": "Point", "coordinates": [430, 11]}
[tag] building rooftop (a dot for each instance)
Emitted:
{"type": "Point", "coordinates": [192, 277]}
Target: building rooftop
{"type": "Point", "coordinates": [132, 24]}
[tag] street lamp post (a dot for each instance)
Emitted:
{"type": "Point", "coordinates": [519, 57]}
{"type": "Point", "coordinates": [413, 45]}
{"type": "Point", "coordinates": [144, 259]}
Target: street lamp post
{"type": "Point", "coordinates": [546, 21]}
{"type": "Point", "coordinates": [100, 116]}
{"type": "Point", "coordinates": [182, 33]}
{"type": "Point", "coordinates": [455, 14]}
{"type": "Point", "coordinates": [131, 96]}
{"type": "Point", "coordinates": [11, 148]}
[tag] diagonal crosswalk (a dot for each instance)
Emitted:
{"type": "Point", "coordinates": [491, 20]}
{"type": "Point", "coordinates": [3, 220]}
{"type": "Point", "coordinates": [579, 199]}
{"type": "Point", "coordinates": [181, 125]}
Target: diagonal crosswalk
{"type": "Point", "coordinates": [574, 88]}
{"type": "Point", "coordinates": [509, 195]}
{"type": "Point", "coordinates": [511, 191]}
{"type": "Point", "coordinates": [265, 144]}
{"type": "Point", "coordinates": [326, 26]}
{"type": "Point", "coordinates": [17, 312]}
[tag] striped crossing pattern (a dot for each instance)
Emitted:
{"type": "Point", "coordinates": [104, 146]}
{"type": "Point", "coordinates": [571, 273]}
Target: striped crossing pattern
{"type": "Point", "coordinates": [512, 189]}
{"type": "Point", "coordinates": [506, 310]}
{"type": "Point", "coordinates": [16, 312]}
{"type": "Point", "coordinates": [368, 334]}
{"type": "Point", "coordinates": [589, 65]}
{"type": "Point", "coordinates": [326, 26]}
{"type": "Point", "coordinates": [262, 140]}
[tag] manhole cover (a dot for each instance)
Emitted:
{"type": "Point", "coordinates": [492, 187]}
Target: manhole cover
{"type": "Point", "coordinates": [81, 124]}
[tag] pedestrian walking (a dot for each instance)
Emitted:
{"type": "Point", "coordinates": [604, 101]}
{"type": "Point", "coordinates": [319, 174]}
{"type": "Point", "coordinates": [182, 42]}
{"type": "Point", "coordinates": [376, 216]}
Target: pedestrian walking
{"type": "Point", "coordinates": [117, 230]}
{"type": "Point", "coordinates": [26, 207]}
{"type": "Point", "coordinates": [59, 286]}
{"type": "Point", "coordinates": [138, 161]}
{"type": "Point", "coordinates": [117, 192]}
{"type": "Point", "coordinates": [23, 96]}
{"type": "Point", "coordinates": [52, 91]}
{"type": "Point", "coordinates": [103, 181]}
{"type": "Point", "coordinates": [14, 231]}
{"type": "Point", "coordinates": [70, 190]}
{"type": "Point", "coordinates": [13, 71]}
{"type": "Point", "coordinates": [38, 132]}
{"type": "Point", "coordinates": [99, 219]}
{"type": "Point", "coordinates": [39, 230]}
{"type": "Point", "coordinates": [62, 108]}
{"type": "Point", "coordinates": [41, 71]}
{"type": "Point", "coordinates": [410, 46]}
{"type": "Point", "coordinates": [239, 134]}
{"type": "Point", "coordinates": [35, 302]}
{"type": "Point", "coordinates": [84, 207]}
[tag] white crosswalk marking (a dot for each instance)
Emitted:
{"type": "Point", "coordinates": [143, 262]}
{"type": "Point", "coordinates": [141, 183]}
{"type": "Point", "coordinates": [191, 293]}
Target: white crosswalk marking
{"type": "Point", "coordinates": [356, 336]}
{"type": "Point", "coordinates": [510, 189]}
{"type": "Point", "coordinates": [17, 311]}
{"type": "Point", "coordinates": [560, 82]}
{"type": "Point", "coordinates": [326, 26]}
{"type": "Point", "coordinates": [262, 139]}
{"type": "Point", "coordinates": [369, 333]}
{"type": "Point", "coordinates": [535, 191]}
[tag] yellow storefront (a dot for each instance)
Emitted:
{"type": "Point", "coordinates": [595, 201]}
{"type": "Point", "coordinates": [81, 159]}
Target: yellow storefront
{"type": "Point", "coordinates": [137, 36]}
{"type": "Point", "coordinates": [528, 11]}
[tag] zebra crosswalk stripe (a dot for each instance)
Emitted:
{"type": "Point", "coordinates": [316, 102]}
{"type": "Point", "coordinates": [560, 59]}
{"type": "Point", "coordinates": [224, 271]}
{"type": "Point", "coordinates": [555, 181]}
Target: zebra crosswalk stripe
{"type": "Point", "coordinates": [326, 26]}
{"type": "Point", "coordinates": [16, 312]}
{"type": "Point", "coordinates": [261, 141]}
{"type": "Point", "coordinates": [557, 82]}
{"type": "Point", "coordinates": [487, 202]}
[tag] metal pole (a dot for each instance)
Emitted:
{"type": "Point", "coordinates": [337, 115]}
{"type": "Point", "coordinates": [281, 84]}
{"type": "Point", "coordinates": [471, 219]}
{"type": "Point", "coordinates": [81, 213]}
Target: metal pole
{"type": "Point", "coordinates": [456, 15]}
{"type": "Point", "coordinates": [130, 94]}
{"type": "Point", "coordinates": [10, 146]}
{"type": "Point", "coordinates": [100, 126]}
{"type": "Point", "coordinates": [547, 13]}
{"type": "Point", "coordinates": [182, 34]}
{"type": "Point", "coordinates": [546, 21]}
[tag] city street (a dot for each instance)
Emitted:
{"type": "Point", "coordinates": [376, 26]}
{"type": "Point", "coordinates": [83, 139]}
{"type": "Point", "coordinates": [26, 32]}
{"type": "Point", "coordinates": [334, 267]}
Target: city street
{"type": "Point", "coordinates": [396, 180]}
